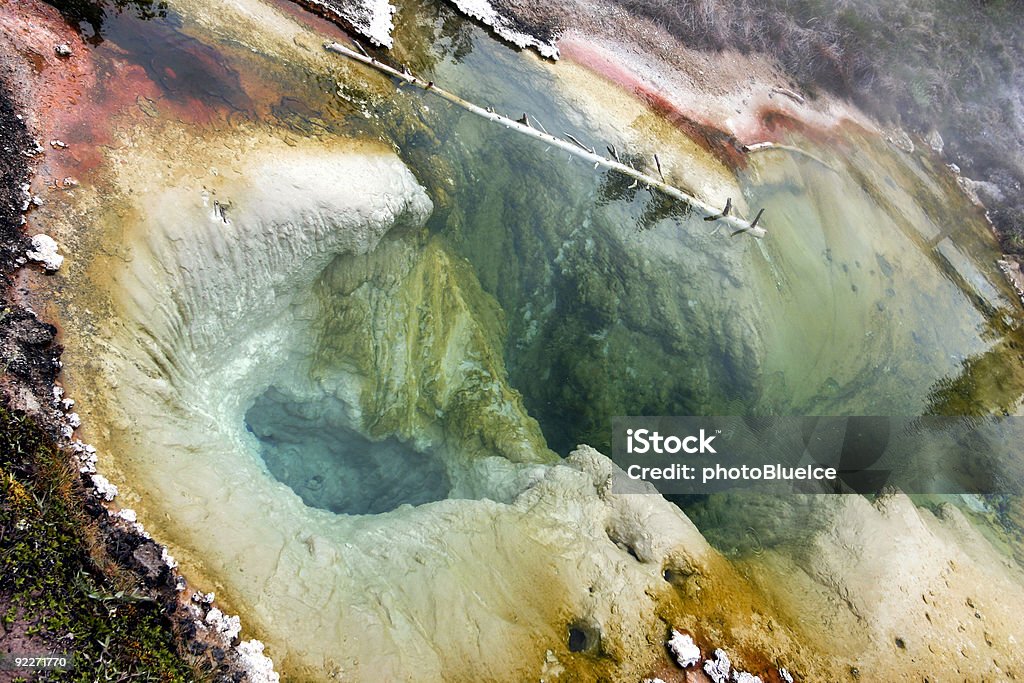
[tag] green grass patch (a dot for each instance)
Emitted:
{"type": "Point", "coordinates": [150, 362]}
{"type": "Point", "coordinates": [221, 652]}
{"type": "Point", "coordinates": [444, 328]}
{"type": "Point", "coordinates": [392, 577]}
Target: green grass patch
{"type": "Point", "coordinates": [55, 577]}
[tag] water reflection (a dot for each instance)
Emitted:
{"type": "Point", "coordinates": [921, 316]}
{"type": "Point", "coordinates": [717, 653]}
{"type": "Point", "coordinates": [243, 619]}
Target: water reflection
{"type": "Point", "coordinates": [89, 16]}
{"type": "Point", "coordinates": [657, 206]}
{"type": "Point", "coordinates": [184, 68]}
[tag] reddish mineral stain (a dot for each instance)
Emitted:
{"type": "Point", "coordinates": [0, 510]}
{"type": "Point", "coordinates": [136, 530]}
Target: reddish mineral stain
{"type": "Point", "coordinates": [721, 144]}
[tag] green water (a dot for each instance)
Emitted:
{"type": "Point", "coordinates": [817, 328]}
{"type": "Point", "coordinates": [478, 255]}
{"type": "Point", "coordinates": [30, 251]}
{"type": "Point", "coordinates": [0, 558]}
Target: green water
{"type": "Point", "coordinates": [876, 291]}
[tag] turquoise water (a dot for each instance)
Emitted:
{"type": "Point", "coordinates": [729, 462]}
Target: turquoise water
{"type": "Point", "coordinates": [309, 447]}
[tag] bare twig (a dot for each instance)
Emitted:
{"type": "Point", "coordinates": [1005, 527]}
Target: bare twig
{"type": "Point", "coordinates": [753, 224]}
{"type": "Point", "coordinates": [725, 211]}
{"type": "Point", "coordinates": [657, 162]}
{"type": "Point", "coordinates": [580, 144]}
{"type": "Point", "coordinates": [765, 146]}
{"type": "Point", "coordinates": [796, 97]}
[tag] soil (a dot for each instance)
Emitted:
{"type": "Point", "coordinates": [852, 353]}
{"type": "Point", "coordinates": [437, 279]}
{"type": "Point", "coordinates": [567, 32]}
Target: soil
{"type": "Point", "coordinates": [13, 173]}
{"type": "Point", "coordinates": [28, 354]}
{"type": "Point", "coordinates": [16, 639]}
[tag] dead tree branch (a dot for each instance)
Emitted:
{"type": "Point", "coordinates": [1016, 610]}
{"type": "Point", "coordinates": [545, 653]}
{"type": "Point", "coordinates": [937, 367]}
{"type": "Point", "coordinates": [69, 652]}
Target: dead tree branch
{"type": "Point", "coordinates": [573, 146]}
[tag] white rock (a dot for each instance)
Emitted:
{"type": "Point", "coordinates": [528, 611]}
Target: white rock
{"type": "Point", "coordinates": [74, 421]}
{"type": "Point", "coordinates": [86, 457]}
{"type": "Point", "coordinates": [504, 27]}
{"type": "Point", "coordinates": [744, 677]}
{"type": "Point", "coordinates": [901, 140]}
{"type": "Point", "coordinates": [44, 251]}
{"type": "Point", "coordinates": [684, 649]}
{"type": "Point", "coordinates": [226, 627]}
{"type": "Point", "coordinates": [205, 598]}
{"type": "Point", "coordinates": [259, 667]}
{"type": "Point", "coordinates": [718, 668]}
{"type": "Point", "coordinates": [168, 559]}
{"type": "Point", "coordinates": [371, 18]}
{"type": "Point", "coordinates": [128, 515]}
{"type": "Point", "coordinates": [378, 28]}
{"type": "Point", "coordinates": [785, 675]}
{"type": "Point", "coordinates": [62, 50]}
{"type": "Point", "coordinates": [104, 489]}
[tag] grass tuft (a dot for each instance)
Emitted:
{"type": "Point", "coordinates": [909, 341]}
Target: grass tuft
{"type": "Point", "coordinates": [51, 583]}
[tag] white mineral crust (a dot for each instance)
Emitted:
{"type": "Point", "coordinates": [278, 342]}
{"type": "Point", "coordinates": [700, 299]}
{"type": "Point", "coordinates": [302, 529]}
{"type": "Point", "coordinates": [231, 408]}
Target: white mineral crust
{"type": "Point", "coordinates": [684, 649]}
{"type": "Point", "coordinates": [44, 251]}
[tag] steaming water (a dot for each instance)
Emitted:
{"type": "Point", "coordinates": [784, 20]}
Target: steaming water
{"type": "Point", "coordinates": [367, 365]}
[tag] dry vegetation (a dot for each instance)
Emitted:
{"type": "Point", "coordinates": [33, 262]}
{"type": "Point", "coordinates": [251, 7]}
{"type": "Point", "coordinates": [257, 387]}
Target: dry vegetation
{"type": "Point", "coordinates": [956, 66]}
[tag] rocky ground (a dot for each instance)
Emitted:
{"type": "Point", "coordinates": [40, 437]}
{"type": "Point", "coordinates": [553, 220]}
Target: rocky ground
{"type": "Point", "coordinates": [26, 343]}
{"type": "Point", "coordinates": [75, 575]}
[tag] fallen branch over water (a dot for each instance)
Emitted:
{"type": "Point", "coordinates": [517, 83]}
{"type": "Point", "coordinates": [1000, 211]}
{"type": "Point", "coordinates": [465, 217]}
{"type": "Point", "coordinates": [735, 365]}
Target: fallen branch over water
{"type": "Point", "coordinates": [796, 97]}
{"type": "Point", "coordinates": [572, 145]}
{"type": "Point", "coordinates": [763, 146]}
